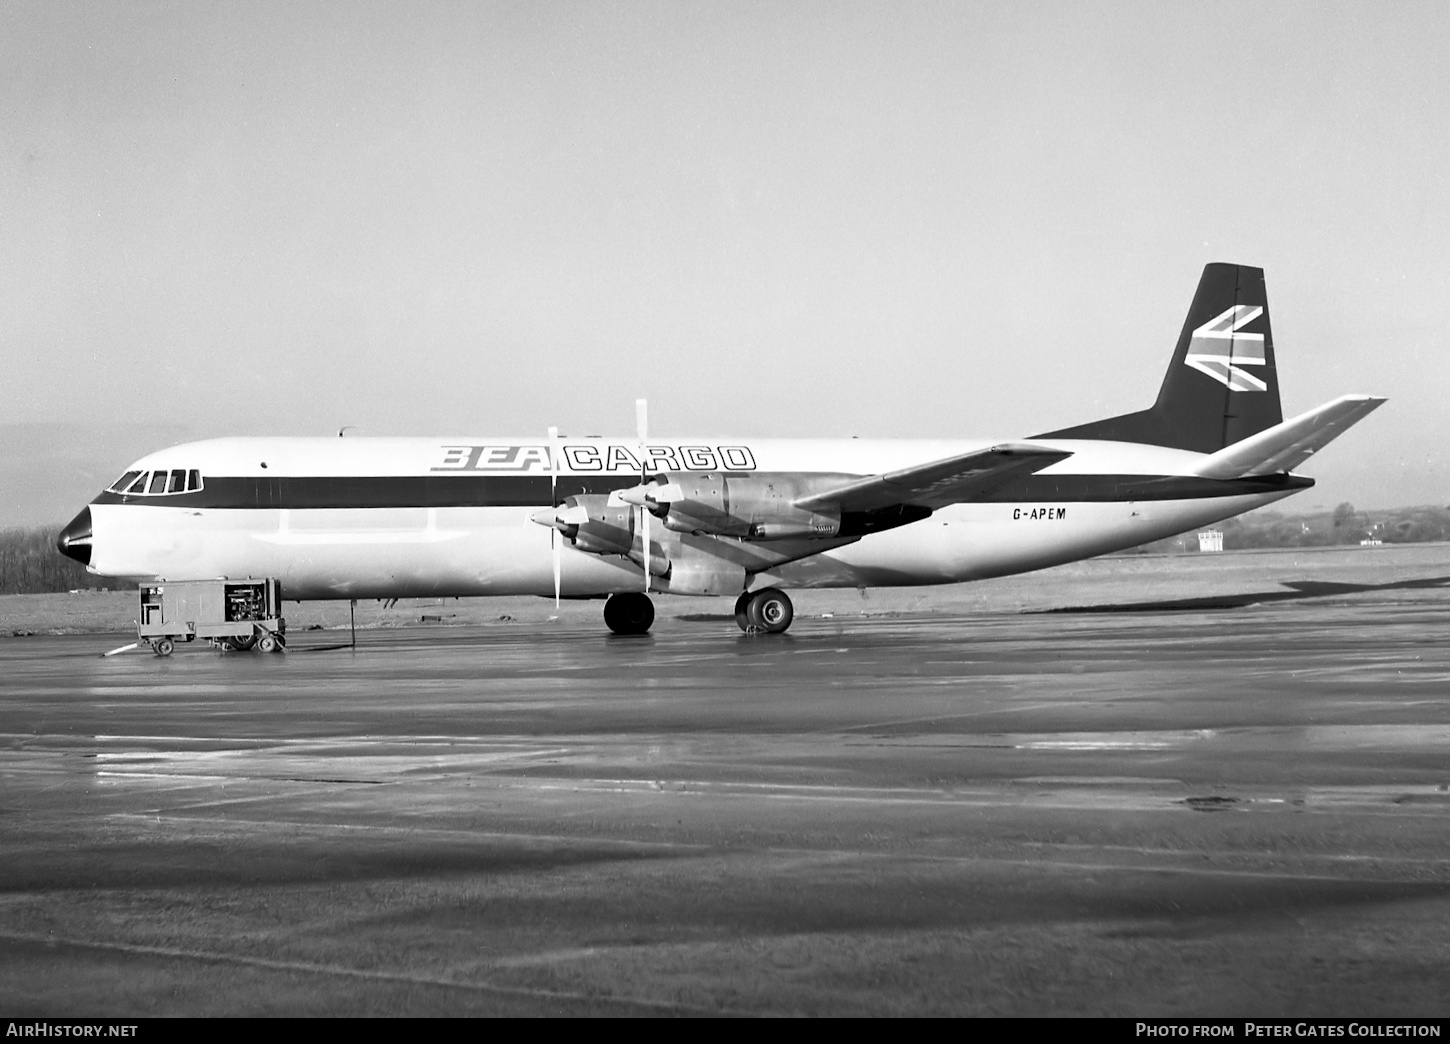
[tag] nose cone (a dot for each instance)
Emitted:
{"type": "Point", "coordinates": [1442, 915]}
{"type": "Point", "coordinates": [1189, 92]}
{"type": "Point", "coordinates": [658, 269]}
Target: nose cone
{"type": "Point", "coordinates": [75, 539]}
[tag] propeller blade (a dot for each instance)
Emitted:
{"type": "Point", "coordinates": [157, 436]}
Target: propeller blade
{"type": "Point", "coordinates": [554, 545]}
{"type": "Point", "coordinates": [641, 421]}
{"type": "Point", "coordinates": [575, 514]}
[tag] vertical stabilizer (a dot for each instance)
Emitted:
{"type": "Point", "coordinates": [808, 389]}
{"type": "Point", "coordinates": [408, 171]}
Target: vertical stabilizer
{"type": "Point", "coordinates": [1222, 385]}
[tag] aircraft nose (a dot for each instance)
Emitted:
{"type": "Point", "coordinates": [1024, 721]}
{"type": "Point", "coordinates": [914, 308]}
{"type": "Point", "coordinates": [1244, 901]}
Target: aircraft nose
{"type": "Point", "coordinates": [75, 539]}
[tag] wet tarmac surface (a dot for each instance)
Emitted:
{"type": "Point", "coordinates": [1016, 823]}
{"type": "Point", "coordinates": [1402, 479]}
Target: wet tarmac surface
{"type": "Point", "coordinates": [1241, 810]}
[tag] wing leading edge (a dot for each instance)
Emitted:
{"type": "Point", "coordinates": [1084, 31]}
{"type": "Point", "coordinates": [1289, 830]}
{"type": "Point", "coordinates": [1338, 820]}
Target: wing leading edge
{"type": "Point", "coordinates": [952, 480]}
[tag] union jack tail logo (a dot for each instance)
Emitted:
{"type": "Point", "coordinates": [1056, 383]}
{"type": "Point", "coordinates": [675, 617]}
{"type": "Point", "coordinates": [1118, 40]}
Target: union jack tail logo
{"type": "Point", "coordinates": [1220, 347]}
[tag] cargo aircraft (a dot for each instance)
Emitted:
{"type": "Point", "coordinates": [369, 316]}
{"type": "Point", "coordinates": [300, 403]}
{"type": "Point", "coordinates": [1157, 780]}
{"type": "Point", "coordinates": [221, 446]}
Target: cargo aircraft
{"type": "Point", "coordinates": [349, 518]}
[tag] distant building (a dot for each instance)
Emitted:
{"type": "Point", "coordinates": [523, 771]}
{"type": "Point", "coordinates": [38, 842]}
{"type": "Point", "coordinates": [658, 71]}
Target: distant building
{"type": "Point", "coordinates": [1210, 540]}
{"type": "Point", "coordinates": [1370, 542]}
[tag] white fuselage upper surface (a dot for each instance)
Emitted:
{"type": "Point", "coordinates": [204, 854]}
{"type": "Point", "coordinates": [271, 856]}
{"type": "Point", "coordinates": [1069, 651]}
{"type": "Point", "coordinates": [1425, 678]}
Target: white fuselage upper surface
{"type": "Point", "coordinates": [404, 517]}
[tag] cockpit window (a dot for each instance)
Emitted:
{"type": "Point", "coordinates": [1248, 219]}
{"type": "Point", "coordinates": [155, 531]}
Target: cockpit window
{"type": "Point", "coordinates": [124, 482]}
{"type": "Point", "coordinates": [158, 483]}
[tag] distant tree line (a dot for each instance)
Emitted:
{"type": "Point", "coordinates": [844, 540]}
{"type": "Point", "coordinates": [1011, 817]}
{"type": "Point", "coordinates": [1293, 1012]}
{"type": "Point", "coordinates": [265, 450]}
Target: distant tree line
{"type": "Point", "coordinates": [1344, 526]}
{"type": "Point", "coordinates": [30, 564]}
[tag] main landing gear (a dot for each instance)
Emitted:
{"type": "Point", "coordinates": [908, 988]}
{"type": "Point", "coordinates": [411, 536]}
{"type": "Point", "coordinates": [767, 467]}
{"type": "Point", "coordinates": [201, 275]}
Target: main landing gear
{"type": "Point", "coordinates": [767, 611]}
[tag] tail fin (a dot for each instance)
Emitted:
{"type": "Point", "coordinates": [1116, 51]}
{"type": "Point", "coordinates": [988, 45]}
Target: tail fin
{"type": "Point", "coordinates": [1221, 386]}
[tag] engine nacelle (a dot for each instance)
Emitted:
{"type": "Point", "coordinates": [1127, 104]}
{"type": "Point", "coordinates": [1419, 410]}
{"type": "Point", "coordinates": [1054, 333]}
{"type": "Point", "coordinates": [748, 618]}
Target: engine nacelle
{"type": "Point", "coordinates": [693, 572]}
{"type": "Point", "coordinates": [596, 526]}
{"type": "Point", "coordinates": [752, 507]}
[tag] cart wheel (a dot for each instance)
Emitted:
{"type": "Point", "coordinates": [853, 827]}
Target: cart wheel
{"type": "Point", "coordinates": [164, 646]}
{"type": "Point", "coordinates": [242, 643]}
{"type": "Point", "coordinates": [267, 643]}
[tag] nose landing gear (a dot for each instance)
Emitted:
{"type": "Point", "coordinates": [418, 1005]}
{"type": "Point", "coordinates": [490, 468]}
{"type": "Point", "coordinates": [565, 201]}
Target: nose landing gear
{"type": "Point", "coordinates": [629, 612]}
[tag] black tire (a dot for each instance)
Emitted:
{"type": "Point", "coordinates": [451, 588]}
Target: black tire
{"type": "Point", "coordinates": [629, 613]}
{"type": "Point", "coordinates": [770, 611]}
{"type": "Point", "coordinates": [241, 644]}
{"type": "Point", "coordinates": [742, 611]}
{"type": "Point", "coordinates": [267, 643]}
{"type": "Point", "coordinates": [164, 646]}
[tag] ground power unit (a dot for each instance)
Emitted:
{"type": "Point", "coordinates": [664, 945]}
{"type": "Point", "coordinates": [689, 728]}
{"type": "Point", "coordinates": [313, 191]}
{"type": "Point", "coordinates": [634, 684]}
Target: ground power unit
{"type": "Point", "coordinates": [234, 614]}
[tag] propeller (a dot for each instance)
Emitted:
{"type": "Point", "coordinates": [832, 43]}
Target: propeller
{"type": "Point", "coordinates": [554, 544]}
{"type": "Point", "coordinates": [567, 521]}
{"type": "Point", "coordinates": [641, 420]}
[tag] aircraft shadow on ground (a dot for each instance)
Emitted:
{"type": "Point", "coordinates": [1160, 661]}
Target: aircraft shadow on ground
{"type": "Point", "coordinates": [1297, 589]}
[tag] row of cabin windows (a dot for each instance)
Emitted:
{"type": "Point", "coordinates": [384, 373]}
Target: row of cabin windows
{"type": "Point", "coordinates": [155, 483]}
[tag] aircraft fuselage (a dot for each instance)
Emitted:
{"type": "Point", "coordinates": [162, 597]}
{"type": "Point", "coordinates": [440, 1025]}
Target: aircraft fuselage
{"type": "Point", "coordinates": [412, 517]}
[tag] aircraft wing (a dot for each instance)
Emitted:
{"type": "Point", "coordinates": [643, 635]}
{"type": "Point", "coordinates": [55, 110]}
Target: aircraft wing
{"type": "Point", "coordinates": [953, 480]}
{"type": "Point", "coordinates": [1287, 445]}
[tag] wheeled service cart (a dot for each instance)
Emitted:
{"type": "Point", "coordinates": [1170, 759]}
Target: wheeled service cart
{"type": "Point", "coordinates": [237, 614]}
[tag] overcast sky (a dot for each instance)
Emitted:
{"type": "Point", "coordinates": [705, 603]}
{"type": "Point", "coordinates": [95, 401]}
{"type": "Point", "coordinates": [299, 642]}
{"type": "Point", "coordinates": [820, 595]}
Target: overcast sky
{"type": "Point", "coordinates": [780, 218]}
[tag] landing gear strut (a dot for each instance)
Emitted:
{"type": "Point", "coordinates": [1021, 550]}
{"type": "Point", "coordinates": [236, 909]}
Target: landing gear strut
{"type": "Point", "coordinates": [767, 611]}
{"type": "Point", "coordinates": [629, 613]}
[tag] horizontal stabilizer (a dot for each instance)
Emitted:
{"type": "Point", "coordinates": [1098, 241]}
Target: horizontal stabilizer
{"type": "Point", "coordinates": [1287, 445]}
{"type": "Point", "coordinates": [954, 480]}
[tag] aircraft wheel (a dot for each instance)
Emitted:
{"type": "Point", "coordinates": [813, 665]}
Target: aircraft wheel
{"type": "Point", "coordinates": [742, 607]}
{"type": "Point", "coordinates": [629, 613]}
{"type": "Point", "coordinates": [164, 646]}
{"type": "Point", "coordinates": [267, 643]}
{"type": "Point", "coordinates": [241, 644]}
{"type": "Point", "coordinates": [769, 611]}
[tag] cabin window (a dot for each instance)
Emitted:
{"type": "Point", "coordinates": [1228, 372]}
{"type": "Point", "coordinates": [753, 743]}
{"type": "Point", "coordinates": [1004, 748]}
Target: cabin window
{"type": "Point", "coordinates": [124, 482]}
{"type": "Point", "coordinates": [158, 483]}
{"type": "Point", "coordinates": [193, 480]}
{"type": "Point", "coordinates": [177, 483]}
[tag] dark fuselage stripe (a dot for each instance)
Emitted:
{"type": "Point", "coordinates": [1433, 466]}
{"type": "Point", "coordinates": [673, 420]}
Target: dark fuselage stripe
{"type": "Point", "coordinates": [444, 491]}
